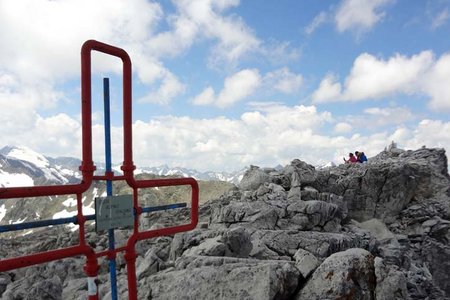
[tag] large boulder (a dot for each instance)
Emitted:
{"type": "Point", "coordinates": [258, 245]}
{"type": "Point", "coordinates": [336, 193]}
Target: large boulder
{"type": "Point", "coordinates": [220, 278]}
{"type": "Point", "coordinates": [253, 178]}
{"type": "Point", "coordinates": [284, 215]}
{"type": "Point", "coordinates": [384, 187]}
{"type": "Point", "coordinates": [344, 275]}
{"type": "Point", "coordinates": [391, 283]}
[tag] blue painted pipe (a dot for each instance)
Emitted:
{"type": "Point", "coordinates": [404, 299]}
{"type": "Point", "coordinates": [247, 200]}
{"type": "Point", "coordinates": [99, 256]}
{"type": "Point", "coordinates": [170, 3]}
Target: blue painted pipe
{"type": "Point", "coordinates": [74, 220]}
{"type": "Point", "coordinates": [163, 207]}
{"type": "Point", "coordinates": [111, 242]}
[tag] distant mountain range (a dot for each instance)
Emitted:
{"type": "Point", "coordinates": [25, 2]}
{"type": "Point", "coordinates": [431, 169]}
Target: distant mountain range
{"type": "Point", "coordinates": [21, 166]}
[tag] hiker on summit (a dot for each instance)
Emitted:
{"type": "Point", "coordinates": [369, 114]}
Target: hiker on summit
{"type": "Point", "coordinates": [362, 157]}
{"type": "Point", "coordinates": [351, 159]}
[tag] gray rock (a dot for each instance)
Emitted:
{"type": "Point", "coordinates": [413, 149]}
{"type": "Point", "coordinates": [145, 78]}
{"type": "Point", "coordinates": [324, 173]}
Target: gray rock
{"type": "Point", "coordinates": [284, 215]}
{"type": "Point", "coordinates": [277, 244]}
{"type": "Point", "coordinates": [306, 172]}
{"type": "Point", "coordinates": [295, 191]}
{"type": "Point", "coordinates": [384, 187]}
{"type": "Point", "coordinates": [148, 265]}
{"type": "Point", "coordinates": [233, 242]}
{"type": "Point", "coordinates": [305, 262]}
{"type": "Point", "coordinates": [253, 179]}
{"type": "Point", "coordinates": [225, 279]}
{"type": "Point", "coordinates": [5, 279]}
{"type": "Point", "coordinates": [391, 283]}
{"type": "Point", "coordinates": [344, 275]}
{"type": "Point", "coordinates": [437, 256]}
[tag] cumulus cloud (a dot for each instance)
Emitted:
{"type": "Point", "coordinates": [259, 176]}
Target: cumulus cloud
{"type": "Point", "coordinates": [375, 78]}
{"type": "Point", "coordinates": [236, 88]}
{"type": "Point", "coordinates": [169, 88]}
{"type": "Point", "coordinates": [431, 133]}
{"type": "Point", "coordinates": [375, 118]}
{"type": "Point", "coordinates": [329, 90]}
{"type": "Point", "coordinates": [282, 80]}
{"type": "Point", "coordinates": [274, 134]}
{"type": "Point", "coordinates": [45, 50]}
{"type": "Point", "coordinates": [342, 127]}
{"type": "Point", "coordinates": [436, 84]}
{"type": "Point", "coordinates": [203, 18]}
{"type": "Point", "coordinates": [359, 15]}
{"type": "Point", "coordinates": [205, 98]}
{"type": "Point", "coordinates": [244, 83]}
{"type": "Point", "coordinates": [371, 77]}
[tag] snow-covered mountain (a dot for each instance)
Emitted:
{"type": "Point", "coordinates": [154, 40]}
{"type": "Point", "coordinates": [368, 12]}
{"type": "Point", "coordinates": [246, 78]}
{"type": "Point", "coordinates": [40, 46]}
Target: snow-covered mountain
{"type": "Point", "coordinates": [21, 166]}
{"type": "Point", "coordinates": [164, 170]}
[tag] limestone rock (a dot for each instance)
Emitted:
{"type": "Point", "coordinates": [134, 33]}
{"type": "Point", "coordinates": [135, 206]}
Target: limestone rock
{"type": "Point", "coordinates": [391, 283]}
{"type": "Point", "coordinates": [222, 279]}
{"type": "Point", "coordinates": [284, 215]}
{"type": "Point", "coordinates": [253, 178]}
{"type": "Point", "coordinates": [344, 275]}
{"type": "Point", "coordinates": [305, 262]}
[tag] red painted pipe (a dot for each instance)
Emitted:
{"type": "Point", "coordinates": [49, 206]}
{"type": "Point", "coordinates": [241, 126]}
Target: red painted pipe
{"type": "Point", "coordinates": [43, 257]}
{"type": "Point", "coordinates": [87, 168]}
{"type": "Point", "coordinates": [130, 252]}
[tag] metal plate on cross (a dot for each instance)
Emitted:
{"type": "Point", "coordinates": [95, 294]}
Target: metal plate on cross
{"type": "Point", "coordinates": [113, 212]}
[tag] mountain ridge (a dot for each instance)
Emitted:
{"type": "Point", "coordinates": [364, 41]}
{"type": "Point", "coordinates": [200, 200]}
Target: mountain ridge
{"type": "Point", "coordinates": [67, 167]}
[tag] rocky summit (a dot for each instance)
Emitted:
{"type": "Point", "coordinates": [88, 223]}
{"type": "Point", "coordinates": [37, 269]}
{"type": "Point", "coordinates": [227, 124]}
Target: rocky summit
{"type": "Point", "coordinates": [377, 230]}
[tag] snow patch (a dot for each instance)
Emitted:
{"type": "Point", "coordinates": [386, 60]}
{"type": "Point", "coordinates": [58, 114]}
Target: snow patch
{"type": "Point", "coordinates": [70, 202]}
{"type": "Point", "coordinates": [19, 221]}
{"type": "Point", "coordinates": [26, 154]}
{"type": "Point", "coordinates": [64, 214]}
{"type": "Point", "coordinates": [2, 212]}
{"type": "Point", "coordinates": [88, 210]}
{"type": "Point", "coordinates": [15, 180]}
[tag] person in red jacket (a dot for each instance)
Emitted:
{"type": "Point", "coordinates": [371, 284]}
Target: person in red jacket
{"type": "Point", "coordinates": [351, 158]}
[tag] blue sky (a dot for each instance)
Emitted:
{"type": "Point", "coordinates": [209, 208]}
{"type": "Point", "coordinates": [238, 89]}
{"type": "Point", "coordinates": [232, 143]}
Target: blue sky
{"type": "Point", "coordinates": [219, 85]}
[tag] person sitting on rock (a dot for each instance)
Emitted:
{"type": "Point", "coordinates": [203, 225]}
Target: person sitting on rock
{"type": "Point", "coordinates": [362, 157]}
{"type": "Point", "coordinates": [351, 158]}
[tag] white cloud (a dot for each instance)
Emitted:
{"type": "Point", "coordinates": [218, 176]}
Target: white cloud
{"type": "Point", "coordinates": [440, 19]}
{"type": "Point", "coordinates": [236, 88]}
{"type": "Point", "coordinates": [316, 22]}
{"type": "Point", "coordinates": [234, 37]}
{"type": "Point", "coordinates": [47, 44]}
{"type": "Point", "coordinates": [375, 78]}
{"type": "Point", "coordinates": [205, 98]}
{"type": "Point", "coordinates": [274, 135]}
{"type": "Point", "coordinates": [431, 133]}
{"type": "Point", "coordinates": [436, 84]}
{"type": "Point", "coordinates": [329, 90]}
{"type": "Point", "coordinates": [371, 77]}
{"type": "Point", "coordinates": [359, 15]}
{"type": "Point", "coordinates": [374, 118]}
{"type": "Point", "coordinates": [283, 80]}
{"type": "Point", "coordinates": [169, 88]}
{"type": "Point", "coordinates": [342, 127]}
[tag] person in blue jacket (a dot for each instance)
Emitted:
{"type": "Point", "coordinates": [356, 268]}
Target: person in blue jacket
{"type": "Point", "coordinates": [362, 157]}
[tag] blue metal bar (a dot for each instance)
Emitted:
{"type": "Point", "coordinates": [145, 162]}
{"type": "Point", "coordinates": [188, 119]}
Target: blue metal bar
{"type": "Point", "coordinates": [74, 220]}
{"type": "Point", "coordinates": [163, 207]}
{"type": "Point", "coordinates": [111, 244]}
{"type": "Point", "coordinates": [36, 224]}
